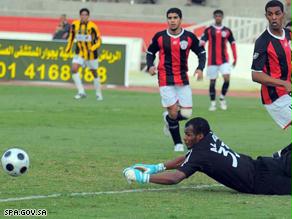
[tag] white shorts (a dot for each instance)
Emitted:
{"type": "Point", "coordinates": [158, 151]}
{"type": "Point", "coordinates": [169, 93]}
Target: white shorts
{"type": "Point", "coordinates": [91, 64]}
{"type": "Point", "coordinates": [212, 70]}
{"type": "Point", "coordinates": [171, 95]}
{"type": "Point", "coordinates": [280, 111]}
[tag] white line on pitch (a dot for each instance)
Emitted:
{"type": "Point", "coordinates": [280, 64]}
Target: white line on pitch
{"type": "Point", "coordinates": [30, 197]}
{"type": "Point", "coordinates": [107, 192]}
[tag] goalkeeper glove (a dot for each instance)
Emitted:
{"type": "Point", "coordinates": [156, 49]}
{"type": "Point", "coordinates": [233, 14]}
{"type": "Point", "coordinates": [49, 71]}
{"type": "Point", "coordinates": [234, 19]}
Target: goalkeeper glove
{"type": "Point", "coordinates": [132, 174]}
{"type": "Point", "coordinates": [150, 168]}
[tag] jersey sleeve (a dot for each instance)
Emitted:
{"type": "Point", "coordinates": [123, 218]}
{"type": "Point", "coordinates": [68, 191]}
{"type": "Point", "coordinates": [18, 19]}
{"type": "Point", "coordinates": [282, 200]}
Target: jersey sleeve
{"type": "Point", "coordinates": [96, 36]}
{"type": "Point", "coordinates": [231, 40]}
{"type": "Point", "coordinates": [151, 51]}
{"type": "Point", "coordinates": [200, 52]}
{"type": "Point", "coordinates": [259, 56]}
{"type": "Point", "coordinates": [231, 37]}
{"type": "Point", "coordinates": [204, 37]}
{"type": "Point", "coordinates": [71, 37]}
{"type": "Point", "coordinates": [190, 165]}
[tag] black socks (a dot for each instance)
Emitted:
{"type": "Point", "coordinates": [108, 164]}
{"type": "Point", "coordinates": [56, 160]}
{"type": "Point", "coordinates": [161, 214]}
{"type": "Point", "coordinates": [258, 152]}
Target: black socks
{"type": "Point", "coordinates": [225, 87]}
{"type": "Point", "coordinates": [174, 129]}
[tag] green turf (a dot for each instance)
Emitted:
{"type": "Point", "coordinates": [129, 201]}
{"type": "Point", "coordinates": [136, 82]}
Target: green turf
{"type": "Point", "coordinates": [83, 146]}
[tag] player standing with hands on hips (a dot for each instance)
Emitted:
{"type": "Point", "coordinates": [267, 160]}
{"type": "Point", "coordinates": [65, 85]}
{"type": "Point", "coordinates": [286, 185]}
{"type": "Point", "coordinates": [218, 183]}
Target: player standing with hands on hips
{"type": "Point", "coordinates": [174, 45]}
{"type": "Point", "coordinates": [88, 40]}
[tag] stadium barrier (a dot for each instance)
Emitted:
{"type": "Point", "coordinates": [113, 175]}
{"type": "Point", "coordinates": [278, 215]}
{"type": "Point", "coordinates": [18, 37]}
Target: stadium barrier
{"type": "Point", "coordinates": [36, 57]}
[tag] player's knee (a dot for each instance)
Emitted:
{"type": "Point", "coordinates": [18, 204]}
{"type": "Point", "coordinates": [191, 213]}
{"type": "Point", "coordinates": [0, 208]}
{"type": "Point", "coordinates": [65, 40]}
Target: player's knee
{"type": "Point", "coordinates": [187, 113]}
{"type": "Point", "coordinates": [172, 114]}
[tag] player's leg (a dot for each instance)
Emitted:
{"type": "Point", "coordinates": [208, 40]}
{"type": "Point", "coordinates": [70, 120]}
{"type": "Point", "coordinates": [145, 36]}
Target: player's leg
{"type": "Point", "coordinates": [212, 73]}
{"type": "Point", "coordinates": [174, 128]}
{"type": "Point", "coordinates": [212, 94]}
{"type": "Point", "coordinates": [225, 69]}
{"type": "Point", "coordinates": [280, 111]}
{"type": "Point", "coordinates": [76, 63]}
{"type": "Point", "coordinates": [286, 161]}
{"type": "Point", "coordinates": [169, 101]}
{"type": "Point", "coordinates": [185, 102]}
{"type": "Point", "coordinates": [93, 65]}
{"type": "Point", "coordinates": [224, 89]}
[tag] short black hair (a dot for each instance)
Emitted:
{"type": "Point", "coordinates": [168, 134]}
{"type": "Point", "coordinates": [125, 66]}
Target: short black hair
{"type": "Point", "coordinates": [174, 10]}
{"type": "Point", "coordinates": [200, 125]}
{"type": "Point", "coordinates": [218, 11]}
{"type": "Point", "coordinates": [274, 3]}
{"type": "Point", "coordinates": [84, 9]}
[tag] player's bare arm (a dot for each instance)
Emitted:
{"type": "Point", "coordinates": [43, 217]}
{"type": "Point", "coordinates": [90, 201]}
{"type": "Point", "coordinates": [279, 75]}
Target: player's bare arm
{"type": "Point", "coordinates": [168, 178]}
{"type": "Point", "coordinates": [175, 163]}
{"type": "Point", "coordinates": [270, 81]}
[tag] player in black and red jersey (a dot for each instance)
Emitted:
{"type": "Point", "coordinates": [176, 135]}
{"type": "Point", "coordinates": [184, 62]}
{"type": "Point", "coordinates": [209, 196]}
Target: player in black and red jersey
{"type": "Point", "coordinates": [174, 45]}
{"type": "Point", "coordinates": [211, 156]}
{"type": "Point", "coordinates": [218, 59]}
{"type": "Point", "coordinates": [271, 65]}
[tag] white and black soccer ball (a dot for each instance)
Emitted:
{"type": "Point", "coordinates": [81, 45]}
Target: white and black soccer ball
{"type": "Point", "coordinates": [15, 162]}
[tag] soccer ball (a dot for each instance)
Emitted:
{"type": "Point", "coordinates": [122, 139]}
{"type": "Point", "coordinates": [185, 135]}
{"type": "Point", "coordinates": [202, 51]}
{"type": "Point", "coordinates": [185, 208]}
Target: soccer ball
{"type": "Point", "coordinates": [15, 161]}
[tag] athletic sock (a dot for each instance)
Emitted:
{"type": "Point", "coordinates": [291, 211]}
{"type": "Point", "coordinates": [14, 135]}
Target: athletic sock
{"type": "Point", "coordinates": [213, 103]}
{"type": "Point", "coordinates": [212, 91]}
{"type": "Point", "coordinates": [78, 83]}
{"type": "Point", "coordinates": [222, 97]}
{"type": "Point", "coordinates": [97, 86]}
{"type": "Point", "coordinates": [174, 130]}
{"type": "Point", "coordinates": [225, 87]}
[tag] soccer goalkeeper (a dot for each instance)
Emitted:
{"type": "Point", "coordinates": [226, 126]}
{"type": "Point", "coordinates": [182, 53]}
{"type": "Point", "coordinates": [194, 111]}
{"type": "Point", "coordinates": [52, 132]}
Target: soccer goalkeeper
{"type": "Point", "coordinates": [208, 154]}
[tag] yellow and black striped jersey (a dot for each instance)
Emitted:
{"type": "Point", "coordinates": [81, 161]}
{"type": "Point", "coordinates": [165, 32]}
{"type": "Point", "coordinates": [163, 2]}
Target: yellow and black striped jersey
{"type": "Point", "coordinates": [88, 39]}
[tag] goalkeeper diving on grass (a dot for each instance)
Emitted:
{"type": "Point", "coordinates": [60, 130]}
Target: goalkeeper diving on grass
{"type": "Point", "coordinates": [209, 155]}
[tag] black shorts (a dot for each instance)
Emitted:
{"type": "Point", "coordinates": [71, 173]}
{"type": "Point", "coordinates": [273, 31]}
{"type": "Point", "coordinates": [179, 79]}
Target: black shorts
{"type": "Point", "coordinates": [273, 175]}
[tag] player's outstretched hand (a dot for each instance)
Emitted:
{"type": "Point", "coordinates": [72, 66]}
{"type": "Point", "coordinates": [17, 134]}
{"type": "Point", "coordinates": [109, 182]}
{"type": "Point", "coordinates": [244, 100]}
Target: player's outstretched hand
{"type": "Point", "coordinates": [150, 168]}
{"type": "Point", "coordinates": [234, 63]}
{"type": "Point", "coordinates": [199, 74]}
{"type": "Point", "coordinates": [132, 174]}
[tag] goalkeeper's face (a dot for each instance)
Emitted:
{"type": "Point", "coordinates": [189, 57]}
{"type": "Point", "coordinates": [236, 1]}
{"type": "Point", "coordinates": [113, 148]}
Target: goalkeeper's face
{"type": "Point", "coordinates": [192, 138]}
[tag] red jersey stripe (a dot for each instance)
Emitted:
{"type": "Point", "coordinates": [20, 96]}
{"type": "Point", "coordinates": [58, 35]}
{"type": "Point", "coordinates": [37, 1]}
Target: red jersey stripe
{"type": "Point", "coordinates": [161, 68]}
{"type": "Point", "coordinates": [175, 58]}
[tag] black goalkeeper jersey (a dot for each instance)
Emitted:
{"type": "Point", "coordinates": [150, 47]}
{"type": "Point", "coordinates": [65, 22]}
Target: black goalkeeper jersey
{"type": "Point", "coordinates": [238, 171]}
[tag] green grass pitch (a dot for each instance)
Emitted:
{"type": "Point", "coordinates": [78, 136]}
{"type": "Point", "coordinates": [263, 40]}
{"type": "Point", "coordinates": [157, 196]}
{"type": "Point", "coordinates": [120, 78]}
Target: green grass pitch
{"type": "Point", "coordinates": [83, 146]}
